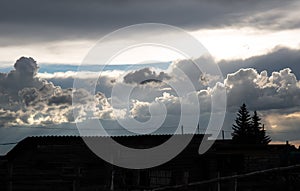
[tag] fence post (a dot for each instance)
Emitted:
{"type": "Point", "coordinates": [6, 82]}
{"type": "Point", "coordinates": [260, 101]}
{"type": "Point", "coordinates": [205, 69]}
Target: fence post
{"type": "Point", "coordinates": [235, 183]}
{"type": "Point", "coordinates": [219, 186]}
{"type": "Point", "coordinates": [10, 176]}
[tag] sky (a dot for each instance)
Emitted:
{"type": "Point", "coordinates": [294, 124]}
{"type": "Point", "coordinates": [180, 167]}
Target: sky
{"type": "Point", "coordinates": [64, 31]}
{"type": "Point", "coordinates": [255, 44]}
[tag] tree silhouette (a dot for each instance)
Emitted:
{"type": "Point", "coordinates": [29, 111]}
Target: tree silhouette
{"type": "Point", "coordinates": [247, 129]}
{"type": "Point", "coordinates": [259, 131]}
{"type": "Point", "coordinates": [242, 125]}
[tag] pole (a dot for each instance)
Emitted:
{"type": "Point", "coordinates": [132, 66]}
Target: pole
{"type": "Point", "coordinates": [235, 183]}
{"type": "Point", "coordinates": [223, 134]}
{"type": "Point", "coordinates": [198, 128]}
{"type": "Point", "coordinates": [112, 181]}
{"type": "Point", "coordinates": [10, 174]}
{"type": "Point", "coordinates": [112, 186]}
{"type": "Point", "coordinates": [219, 187]}
{"type": "Point", "coordinates": [74, 185]}
{"type": "Point", "coordinates": [181, 129]}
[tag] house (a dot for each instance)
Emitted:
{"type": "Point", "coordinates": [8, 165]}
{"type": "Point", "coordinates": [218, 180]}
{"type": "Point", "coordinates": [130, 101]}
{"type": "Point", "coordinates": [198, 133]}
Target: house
{"type": "Point", "coordinates": [66, 163]}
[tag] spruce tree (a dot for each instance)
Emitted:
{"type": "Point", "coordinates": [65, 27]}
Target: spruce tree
{"type": "Point", "coordinates": [259, 131]}
{"type": "Point", "coordinates": [242, 126]}
{"type": "Point", "coordinates": [247, 129]}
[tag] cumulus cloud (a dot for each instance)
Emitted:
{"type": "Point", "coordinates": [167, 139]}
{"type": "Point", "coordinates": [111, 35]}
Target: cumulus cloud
{"type": "Point", "coordinates": [145, 75]}
{"type": "Point", "coordinates": [197, 70]}
{"type": "Point", "coordinates": [280, 90]}
{"type": "Point", "coordinates": [271, 94]}
{"type": "Point", "coordinates": [104, 82]}
{"type": "Point", "coordinates": [28, 98]}
{"type": "Point", "coordinates": [22, 76]}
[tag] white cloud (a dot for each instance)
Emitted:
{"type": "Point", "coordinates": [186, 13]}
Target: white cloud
{"type": "Point", "coordinates": [29, 100]}
{"type": "Point", "coordinates": [280, 90]}
{"type": "Point", "coordinates": [32, 100]}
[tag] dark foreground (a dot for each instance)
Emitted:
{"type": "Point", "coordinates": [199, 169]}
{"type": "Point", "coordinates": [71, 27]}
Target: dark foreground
{"type": "Point", "coordinates": [65, 163]}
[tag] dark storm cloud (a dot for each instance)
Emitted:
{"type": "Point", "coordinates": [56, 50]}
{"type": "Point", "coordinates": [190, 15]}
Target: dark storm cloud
{"type": "Point", "coordinates": [22, 76]}
{"type": "Point", "coordinates": [23, 21]}
{"type": "Point", "coordinates": [145, 75]}
{"type": "Point", "coordinates": [276, 60]}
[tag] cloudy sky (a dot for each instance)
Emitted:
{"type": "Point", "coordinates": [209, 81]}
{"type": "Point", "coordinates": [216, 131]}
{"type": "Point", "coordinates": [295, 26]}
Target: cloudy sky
{"type": "Point", "coordinates": [255, 44]}
{"type": "Point", "coordinates": [63, 31]}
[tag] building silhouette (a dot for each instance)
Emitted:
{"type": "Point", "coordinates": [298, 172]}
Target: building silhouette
{"type": "Point", "coordinates": [66, 163]}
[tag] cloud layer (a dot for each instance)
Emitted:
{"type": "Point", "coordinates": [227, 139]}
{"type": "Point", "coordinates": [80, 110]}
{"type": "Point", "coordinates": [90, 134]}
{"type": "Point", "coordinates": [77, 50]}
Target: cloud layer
{"type": "Point", "coordinates": [30, 99]}
{"type": "Point", "coordinates": [22, 22]}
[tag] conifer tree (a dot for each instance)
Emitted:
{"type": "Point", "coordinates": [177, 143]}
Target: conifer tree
{"type": "Point", "coordinates": [259, 131]}
{"type": "Point", "coordinates": [242, 126]}
{"type": "Point", "coordinates": [247, 129]}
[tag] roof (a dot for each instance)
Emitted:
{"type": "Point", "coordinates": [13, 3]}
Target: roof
{"type": "Point", "coordinates": [148, 140]}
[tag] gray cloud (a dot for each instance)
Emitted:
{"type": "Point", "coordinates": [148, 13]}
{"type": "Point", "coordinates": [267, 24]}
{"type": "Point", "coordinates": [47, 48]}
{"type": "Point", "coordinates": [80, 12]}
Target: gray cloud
{"type": "Point", "coordinates": [23, 22]}
{"type": "Point", "coordinates": [22, 76]}
{"type": "Point", "coordinates": [29, 100]}
{"type": "Point", "coordinates": [262, 92]}
{"type": "Point", "coordinates": [145, 75]}
{"type": "Point", "coordinates": [282, 17]}
{"type": "Point", "coordinates": [35, 101]}
{"type": "Point", "coordinates": [275, 95]}
{"type": "Point", "coordinates": [278, 59]}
